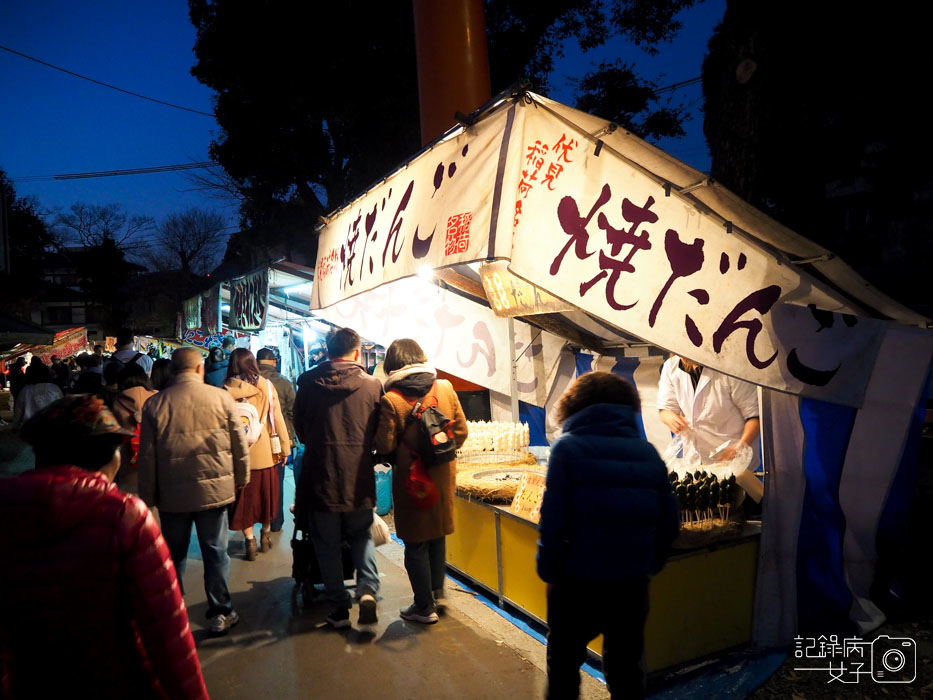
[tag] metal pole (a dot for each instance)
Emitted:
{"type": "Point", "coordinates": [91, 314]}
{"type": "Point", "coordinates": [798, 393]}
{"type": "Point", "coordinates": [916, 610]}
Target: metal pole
{"type": "Point", "coordinates": [513, 366]}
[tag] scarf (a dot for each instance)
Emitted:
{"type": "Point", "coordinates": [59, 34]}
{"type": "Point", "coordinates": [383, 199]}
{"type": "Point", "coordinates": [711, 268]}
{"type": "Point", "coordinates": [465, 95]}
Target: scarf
{"type": "Point", "coordinates": [411, 379]}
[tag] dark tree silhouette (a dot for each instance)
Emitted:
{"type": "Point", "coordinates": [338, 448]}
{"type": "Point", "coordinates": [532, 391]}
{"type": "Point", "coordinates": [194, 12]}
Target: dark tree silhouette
{"type": "Point", "coordinates": [191, 241]}
{"type": "Point", "coordinates": [28, 239]}
{"type": "Point", "coordinates": [314, 108]}
{"type": "Point", "coordinates": [92, 225]}
{"type": "Point", "coordinates": [814, 114]}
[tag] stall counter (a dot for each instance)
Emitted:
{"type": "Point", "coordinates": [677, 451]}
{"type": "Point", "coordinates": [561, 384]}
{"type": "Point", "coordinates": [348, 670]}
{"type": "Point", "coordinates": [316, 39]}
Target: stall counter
{"type": "Point", "coordinates": [701, 602]}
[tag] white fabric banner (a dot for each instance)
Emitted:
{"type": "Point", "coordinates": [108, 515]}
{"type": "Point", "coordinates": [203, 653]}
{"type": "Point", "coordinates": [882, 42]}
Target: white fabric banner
{"type": "Point", "coordinates": [600, 234]}
{"type": "Point", "coordinates": [435, 212]}
{"type": "Point", "coordinates": [459, 336]}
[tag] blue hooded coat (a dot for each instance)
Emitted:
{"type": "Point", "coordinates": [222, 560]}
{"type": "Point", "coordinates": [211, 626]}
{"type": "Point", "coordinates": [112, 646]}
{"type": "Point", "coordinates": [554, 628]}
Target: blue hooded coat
{"type": "Point", "coordinates": [608, 512]}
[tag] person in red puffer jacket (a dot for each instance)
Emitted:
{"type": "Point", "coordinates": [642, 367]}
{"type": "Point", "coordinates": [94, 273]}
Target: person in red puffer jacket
{"type": "Point", "coordinates": [89, 600]}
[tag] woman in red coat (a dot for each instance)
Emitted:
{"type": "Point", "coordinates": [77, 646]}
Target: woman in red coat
{"type": "Point", "coordinates": [89, 601]}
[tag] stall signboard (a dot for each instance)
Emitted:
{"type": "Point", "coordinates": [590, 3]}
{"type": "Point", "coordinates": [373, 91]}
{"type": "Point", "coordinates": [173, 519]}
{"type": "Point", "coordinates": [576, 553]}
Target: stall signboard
{"type": "Point", "coordinates": [249, 301]}
{"type": "Point", "coordinates": [527, 500]}
{"type": "Point", "coordinates": [201, 338]}
{"type": "Point", "coordinates": [435, 212]}
{"type": "Point", "coordinates": [550, 189]}
{"type": "Point", "coordinates": [66, 344]}
{"type": "Point", "coordinates": [459, 336]}
{"type": "Point", "coordinates": [191, 312]}
{"type": "Point", "coordinates": [509, 295]}
{"type": "Point", "coordinates": [210, 310]}
{"type": "Point", "coordinates": [603, 235]}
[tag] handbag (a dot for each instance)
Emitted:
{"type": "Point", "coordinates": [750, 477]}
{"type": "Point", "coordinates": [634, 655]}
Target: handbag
{"type": "Point", "coordinates": [419, 485]}
{"type": "Point", "coordinates": [277, 453]}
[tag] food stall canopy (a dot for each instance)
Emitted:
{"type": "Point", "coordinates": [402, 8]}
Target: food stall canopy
{"type": "Point", "coordinates": [64, 344]}
{"type": "Point", "coordinates": [639, 243]}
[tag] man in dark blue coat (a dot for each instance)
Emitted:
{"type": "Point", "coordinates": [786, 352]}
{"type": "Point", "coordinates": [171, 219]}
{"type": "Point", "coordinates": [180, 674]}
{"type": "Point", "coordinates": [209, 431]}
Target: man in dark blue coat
{"type": "Point", "coordinates": [608, 519]}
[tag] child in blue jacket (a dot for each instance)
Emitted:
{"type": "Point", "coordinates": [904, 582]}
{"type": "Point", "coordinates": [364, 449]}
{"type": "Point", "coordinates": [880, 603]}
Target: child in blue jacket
{"type": "Point", "coordinates": [608, 519]}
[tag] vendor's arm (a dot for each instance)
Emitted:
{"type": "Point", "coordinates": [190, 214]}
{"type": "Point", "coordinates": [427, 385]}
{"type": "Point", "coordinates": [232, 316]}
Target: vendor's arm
{"type": "Point", "coordinates": [749, 435]}
{"type": "Point", "coordinates": [745, 397]}
{"type": "Point", "coordinates": [669, 409]}
{"type": "Point", "coordinates": [673, 420]}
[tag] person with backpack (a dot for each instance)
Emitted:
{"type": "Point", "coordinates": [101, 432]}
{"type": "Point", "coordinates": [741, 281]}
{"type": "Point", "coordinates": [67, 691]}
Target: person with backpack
{"type": "Point", "coordinates": [135, 388]}
{"type": "Point", "coordinates": [267, 435]}
{"type": "Point", "coordinates": [335, 416]}
{"type": "Point", "coordinates": [425, 476]}
{"type": "Point", "coordinates": [127, 354]}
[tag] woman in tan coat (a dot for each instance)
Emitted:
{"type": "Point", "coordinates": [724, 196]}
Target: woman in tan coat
{"type": "Point", "coordinates": [135, 389]}
{"type": "Point", "coordinates": [260, 498]}
{"type": "Point", "coordinates": [423, 531]}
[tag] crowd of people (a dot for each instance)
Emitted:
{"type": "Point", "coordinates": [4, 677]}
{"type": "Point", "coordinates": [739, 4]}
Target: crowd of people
{"type": "Point", "coordinates": [210, 454]}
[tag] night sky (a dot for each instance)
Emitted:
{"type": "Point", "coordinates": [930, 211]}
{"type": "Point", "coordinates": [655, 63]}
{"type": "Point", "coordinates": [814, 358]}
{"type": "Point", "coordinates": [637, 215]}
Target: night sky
{"type": "Point", "coordinates": [53, 123]}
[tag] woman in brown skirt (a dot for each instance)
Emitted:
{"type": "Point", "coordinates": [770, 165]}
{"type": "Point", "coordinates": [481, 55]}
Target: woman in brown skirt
{"type": "Point", "coordinates": [260, 498]}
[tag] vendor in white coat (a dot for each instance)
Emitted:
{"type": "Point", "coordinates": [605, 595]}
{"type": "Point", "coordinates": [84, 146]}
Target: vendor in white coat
{"type": "Point", "coordinates": [715, 406]}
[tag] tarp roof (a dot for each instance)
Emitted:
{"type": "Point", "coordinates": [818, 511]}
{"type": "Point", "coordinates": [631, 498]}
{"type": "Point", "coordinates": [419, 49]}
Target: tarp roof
{"type": "Point", "coordinates": [644, 247]}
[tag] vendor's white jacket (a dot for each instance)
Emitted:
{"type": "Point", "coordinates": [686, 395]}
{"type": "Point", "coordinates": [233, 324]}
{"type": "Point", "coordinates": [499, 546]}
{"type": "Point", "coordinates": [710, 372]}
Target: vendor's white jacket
{"type": "Point", "coordinates": [716, 410]}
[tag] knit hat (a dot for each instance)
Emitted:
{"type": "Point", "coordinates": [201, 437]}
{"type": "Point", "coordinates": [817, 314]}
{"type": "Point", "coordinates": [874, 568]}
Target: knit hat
{"type": "Point", "coordinates": [74, 417]}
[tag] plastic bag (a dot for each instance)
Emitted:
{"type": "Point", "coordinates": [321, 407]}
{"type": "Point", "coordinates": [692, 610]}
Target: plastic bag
{"type": "Point", "coordinates": [739, 461]}
{"type": "Point", "coordinates": [379, 531]}
{"type": "Point", "coordinates": [673, 455]}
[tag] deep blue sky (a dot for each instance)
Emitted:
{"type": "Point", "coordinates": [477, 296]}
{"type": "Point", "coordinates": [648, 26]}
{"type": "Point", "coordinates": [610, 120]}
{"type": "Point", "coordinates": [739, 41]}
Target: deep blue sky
{"type": "Point", "coordinates": [54, 123]}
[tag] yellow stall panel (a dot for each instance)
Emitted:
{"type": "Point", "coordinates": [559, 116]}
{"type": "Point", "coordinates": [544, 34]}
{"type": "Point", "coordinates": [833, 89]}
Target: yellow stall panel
{"type": "Point", "coordinates": [700, 604]}
{"type": "Point", "coordinates": [520, 582]}
{"type": "Point", "coordinates": [472, 547]}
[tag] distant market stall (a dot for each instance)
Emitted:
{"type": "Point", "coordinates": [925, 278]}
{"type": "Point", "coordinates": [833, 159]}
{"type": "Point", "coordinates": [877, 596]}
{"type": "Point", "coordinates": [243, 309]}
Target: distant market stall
{"type": "Point", "coordinates": [599, 242]}
{"type": "Point", "coordinates": [264, 308]}
{"type": "Point", "coordinates": [63, 344]}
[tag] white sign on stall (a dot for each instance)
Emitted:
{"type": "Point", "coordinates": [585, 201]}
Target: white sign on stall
{"type": "Point", "coordinates": [459, 336]}
{"type": "Point", "coordinates": [602, 235]}
{"type": "Point", "coordinates": [435, 212]}
{"type": "Point", "coordinates": [531, 185]}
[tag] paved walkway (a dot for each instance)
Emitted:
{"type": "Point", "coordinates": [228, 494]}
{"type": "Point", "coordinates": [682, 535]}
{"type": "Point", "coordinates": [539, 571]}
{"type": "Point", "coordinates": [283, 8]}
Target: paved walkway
{"type": "Point", "coordinates": [284, 649]}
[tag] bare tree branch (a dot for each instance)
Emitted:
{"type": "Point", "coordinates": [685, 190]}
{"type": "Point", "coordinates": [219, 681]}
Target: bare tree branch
{"type": "Point", "coordinates": [191, 241]}
{"type": "Point", "coordinates": [91, 225]}
{"type": "Point", "coordinates": [217, 184]}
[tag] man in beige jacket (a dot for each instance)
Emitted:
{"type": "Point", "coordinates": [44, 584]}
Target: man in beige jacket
{"type": "Point", "coordinates": [192, 459]}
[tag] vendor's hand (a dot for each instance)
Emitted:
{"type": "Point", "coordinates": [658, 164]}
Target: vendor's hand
{"type": "Point", "coordinates": [674, 421]}
{"type": "Point", "coordinates": [728, 454]}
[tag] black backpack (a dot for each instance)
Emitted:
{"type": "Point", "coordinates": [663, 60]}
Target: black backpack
{"type": "Point", "coordinates": [435, 439]}
{"type": "Point", "coordinates": [129, 362]}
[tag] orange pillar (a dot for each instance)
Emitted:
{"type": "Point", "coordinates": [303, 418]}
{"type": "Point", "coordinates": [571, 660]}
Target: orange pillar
{"type": "Point", "coordinates": [453, 62]}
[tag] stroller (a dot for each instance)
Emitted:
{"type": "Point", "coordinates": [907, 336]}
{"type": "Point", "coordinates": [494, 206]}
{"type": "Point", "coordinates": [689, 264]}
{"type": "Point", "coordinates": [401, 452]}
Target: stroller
{"type": "Point", "coordinates": [305, 569]}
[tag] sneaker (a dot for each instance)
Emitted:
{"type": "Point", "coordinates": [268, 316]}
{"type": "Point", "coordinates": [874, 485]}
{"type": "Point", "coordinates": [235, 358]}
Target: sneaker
{"type": "Point", "coordinates": [425, 616]}
{"type": "Point", "coordinates": [338, 618]}
{"type": "Point", "coordinates": [221, 624]}
{"type": "Point", "coordinates": [368, 609]}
